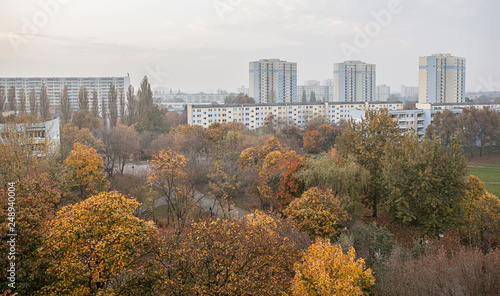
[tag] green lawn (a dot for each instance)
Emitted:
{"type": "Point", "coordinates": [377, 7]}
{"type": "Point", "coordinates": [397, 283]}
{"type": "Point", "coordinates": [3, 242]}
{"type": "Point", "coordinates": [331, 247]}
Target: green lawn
{"type": "Point", "coordinates": [488, 172]}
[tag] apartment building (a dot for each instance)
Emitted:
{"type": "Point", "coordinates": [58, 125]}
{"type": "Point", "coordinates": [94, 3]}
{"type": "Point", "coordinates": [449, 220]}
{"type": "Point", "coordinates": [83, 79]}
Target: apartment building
{"type": "Point", "coordinates": [354, 81]}
{"type": "Point", "coordinates": [383, 92]}
{"type": "Point", "coordinates": [55, 86]}
{"type": "Point", "coordinates": [253, 116]}
{"type": "Point", "coordinates": [39, 135]}
{"type": "Point", "coordinates": [273, 81]}
{"type": "Point", "coordinates": [441, 79]}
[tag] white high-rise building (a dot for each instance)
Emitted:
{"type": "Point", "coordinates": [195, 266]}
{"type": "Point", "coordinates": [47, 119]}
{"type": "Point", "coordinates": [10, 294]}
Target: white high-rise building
{"type": "Point", "coordinates": [409, 92]}
{"type": "Point", "coordinates": [383, 92]}
{"type": "Point", "coordinates": [55, 85]}
{"type": "Point", "coordinates": [354, 81]}
{"type": "Point", "coordinates": [273, 81]}
{"type": "Point", "coordinates": [441, 79]}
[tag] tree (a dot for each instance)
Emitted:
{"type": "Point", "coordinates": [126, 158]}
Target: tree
{"type": "Point", "coordinates": [223, 187]}
{"type": "Point", "coordinates": [482, 216]}
{"type": "Point", "coordinates": [84, 119]}
{"type": "Point", "coordinates": [220, 257]}
{"type": "Point", "coordinates": [22, 101]}
{"type": "Point", "coordinates": [313, 97]}
{"type": "Point", "coordinates": [425, 183]}
{"type": "Point", "coordinates": [122, 144]}
{"type": "Point", "coordinates": [65, 106]}
{"type": "Point", "coordinates": [311, 139]}
{"type": "Point", "coordinates": [318, 213]}
{"type": "Point", "coordinates": [113, 105]}
{"type": "Point", "coordinates": [11, 95]}
{"type": "Point", "coordinates": [345, 179]}
{"type": "Point", "coordinates": [44, 103]}
{"type": "Point", "coordinates": [278, 181]}
{"type": "Point", "coordinates": [446, 125]}
{"type": "Point", "coordinates": [366, 140]}
{"type": "Point", "coordinates": [72, 134]}
{"type": "Point", "coordinates": [39, 195]}
{"type": "Point", "coordinates": [145, 97]}
{"type": "Point", "coordinates": [2, 98]}
{"type": "Point", "coordinates": [93, 244]}
{"type": "Point", "coordinates": [83, 173]}
{"type": "Point", "coordinates": [240, 98]}
{"type": "Point", "coordinates": [168, 174]}
{"type": "Point", "coordinates": [131, 106]}
{"type": "Point", "coordinates": [326, 270]}
{"type": "Point", "coordinates": [122, 107]}
{"type": "Point", "coordinates": [95, 104]}
{"type": "Point", "coordinates": [304, 97]}
{"type": "Point", "coordinates": [104, 114]}
{"type": "Point", "coordinates": [83, 99]}
{"type": "Point", "coordinates": [33, 102]}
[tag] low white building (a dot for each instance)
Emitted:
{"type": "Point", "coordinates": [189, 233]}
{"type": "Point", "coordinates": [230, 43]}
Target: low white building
{"type": "Point", "coordinates": [40, 135]}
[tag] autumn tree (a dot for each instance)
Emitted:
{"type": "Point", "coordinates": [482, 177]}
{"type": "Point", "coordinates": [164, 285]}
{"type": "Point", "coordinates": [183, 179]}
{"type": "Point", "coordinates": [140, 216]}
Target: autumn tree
{"type": "Point", "coordinates": [481, 216]}
{"type": "Point", "coordinates": [365, 140]}
{"type": "Point", "coordinates": [83, 174]}
{"type": "Point", "coordinates": [22, 101]}
{"type": "Point", "coordinates": [83, 99]}
{"type": "Point", "coordinates": [223, 186]}
{"type": "Point", "coordinates": [317, 213]}
{"type": "Point", "coordinates": [66, 111]}
{"type": "Point", "coordinates": [11, 96]}
{"type": "Point", "coordinates": [168, 175]}
{"type": "Point", "coordinates": [220, 257]}
{"type": "Point", "coordinates": [33, 102]}
{"type": "Point", "coordinates": [278, 182]}
{"type": "Point", "coordinates": [44, 103]}
{"type": "Point", "coordinates": [113, 105]}
{"type": "Point", "coordinates": [95, 104]}
{"type": "Point", "coordinates": [72, 134]}
{"type": "Point", "coordinates": [326, 270]}
{"type": "Point", "coordinates": [425, 183]}
{"type": "Point", "coordinates": [94, 244]}
{"type": "Point", "coordinates": [238, 99]}
{"type": "Point", "coordinates": [84, 119]}
{"type": "Point", "coordinates": [131, 106]}
{"type": "Point", "coordinates": [311, 139]}
{"type": "Point", "coordinates": [38, 192]}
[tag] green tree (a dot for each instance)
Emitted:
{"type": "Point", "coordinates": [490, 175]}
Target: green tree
{"type": "Point", "coordinates": [313, 97]}
{"type": "Point", "coordinates": [131, 106]}
{"type": "Point", "coordinates": [2, 98]}
{"type": "Point", "coordinates": [446, 125]}
{"type": "Point", "coordinates": [304, 96]}
{"type": "Point", "coordinates": [95, 104]}
{"type": "Point", "coordinates": [425, 183]}
{"type": "Point", "coordinates": [65, 106]}
{"type": "Point", "coordinates": [365, 141]}
{"type": "Point", "coordinates": [11, 96]}
{"type": "Point", "coordinates": [44, 103]}
{"type": "Point", "coordinates": [145, 100]}
{"type": "Point", "coordinates": [83, 99]}
{"type": "Point", "coordinates": [122, 107]}
{"type": "Point", "coordinates": [84, 119]}
{"type": "Point", "coordinates": [104, 113]}
{"type": "Point", "coordinates": [113, 105]}
{"type": "Point", "coordinates": [22, 101]}
{"type": "Point", "coordinates": [92, 245]}
{"type": "Point", "coordinates": [33, 102]}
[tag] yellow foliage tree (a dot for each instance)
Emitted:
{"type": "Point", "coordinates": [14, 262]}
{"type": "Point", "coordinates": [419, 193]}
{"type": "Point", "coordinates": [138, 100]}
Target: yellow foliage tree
{"type": "Point", "coordinates": [91, 244]}
{"type": "Point", "coordinates": [84, 173]}
{"type": "Point", "coordinates": [326, 271]}
{"type": "Point", "coordinates": [482, 215]}
{"type": "Point", "coordinates": [318, 213]}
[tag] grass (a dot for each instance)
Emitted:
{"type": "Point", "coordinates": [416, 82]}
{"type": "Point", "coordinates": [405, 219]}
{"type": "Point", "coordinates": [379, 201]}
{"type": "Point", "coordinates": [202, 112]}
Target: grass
{"type": "Point", "coordinates": [487, 170]}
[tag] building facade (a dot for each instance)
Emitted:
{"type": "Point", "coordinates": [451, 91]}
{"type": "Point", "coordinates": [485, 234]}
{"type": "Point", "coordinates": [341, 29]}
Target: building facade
{"type": "Point", "coordinates": [354, 81]}
{"type": "Point", "coordinates": [409, 92]}
{"type": "Point", "coordinates": [383, 92]}
{"type": "Point", "coordinates": [273, 81]}
{"type": "Point", "coordinates": [55, 86]}
{"type": "Point", "coordinates": [441, 79]}
{"type": "Point", "coordinates": [40, 137]}
{"type": "Point", "coordinates": [253, 116]}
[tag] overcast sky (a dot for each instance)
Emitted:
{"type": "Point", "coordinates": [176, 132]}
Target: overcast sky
{"type": "Point", "coordinates": [203, 45]}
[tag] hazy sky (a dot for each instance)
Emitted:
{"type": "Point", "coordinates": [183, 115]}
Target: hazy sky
{"type": "Point", "coordinates": [202, 45]}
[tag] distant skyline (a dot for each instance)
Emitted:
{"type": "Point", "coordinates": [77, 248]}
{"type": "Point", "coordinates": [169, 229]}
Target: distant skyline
{"type": "Point", "coordinates": [196, 45]}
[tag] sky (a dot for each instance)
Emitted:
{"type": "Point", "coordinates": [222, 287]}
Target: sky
{"type": "Point", "coordinates": [205, 45]}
